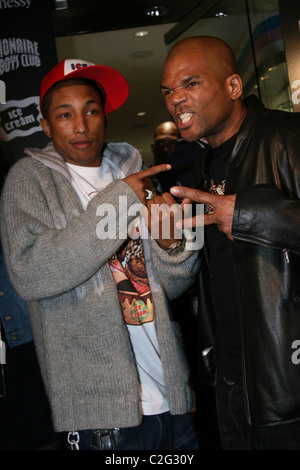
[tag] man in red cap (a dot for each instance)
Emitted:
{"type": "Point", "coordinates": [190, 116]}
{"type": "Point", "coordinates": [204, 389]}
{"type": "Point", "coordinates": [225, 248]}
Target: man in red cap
{"type": "Point", "coordinates": [109, 354]}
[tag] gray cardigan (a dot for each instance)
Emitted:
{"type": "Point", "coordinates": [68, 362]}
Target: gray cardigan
{"type": "Point", "coordinates": [60, 267]}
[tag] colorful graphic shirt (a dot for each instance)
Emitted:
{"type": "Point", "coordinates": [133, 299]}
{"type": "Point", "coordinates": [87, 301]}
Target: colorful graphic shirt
{"type": "Point", "coordinates": [129, 272]}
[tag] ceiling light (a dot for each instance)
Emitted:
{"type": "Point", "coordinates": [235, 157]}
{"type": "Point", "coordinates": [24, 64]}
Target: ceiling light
{"type": "Point", "coordinates": [142, 113]}
{"type": "Point", "coordinates": [156, 11]}
{"type": "Point", "coordinates": [221, 13]}
{"type": "Point", "coordinates": [141, 34]}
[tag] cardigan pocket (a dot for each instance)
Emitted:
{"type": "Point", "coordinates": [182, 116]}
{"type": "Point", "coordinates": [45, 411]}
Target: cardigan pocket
{"type": "Point", "coordinates": [105, 362]}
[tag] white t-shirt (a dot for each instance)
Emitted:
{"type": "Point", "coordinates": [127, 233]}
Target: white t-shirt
{"type": "Point", "coordinates": [88, 181]}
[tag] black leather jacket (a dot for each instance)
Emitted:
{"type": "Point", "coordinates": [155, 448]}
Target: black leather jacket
{"type": "Point", "coordinates": [263, 169]}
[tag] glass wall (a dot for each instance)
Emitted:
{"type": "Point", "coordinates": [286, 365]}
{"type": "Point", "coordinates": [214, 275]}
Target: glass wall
{"type": "Point", "coordinates": [271, 78]}
{"type": "Point", "coordinates": [252, 29]}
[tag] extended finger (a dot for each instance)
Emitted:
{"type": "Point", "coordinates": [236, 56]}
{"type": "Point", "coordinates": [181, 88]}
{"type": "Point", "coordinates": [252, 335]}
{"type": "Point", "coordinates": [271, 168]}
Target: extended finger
{"type": "Point", "coordinates": [193, 194]}
{"type": "Point", "coordinates": [191, 222]}
{"type": "Point", "coordinates": [154, 170]}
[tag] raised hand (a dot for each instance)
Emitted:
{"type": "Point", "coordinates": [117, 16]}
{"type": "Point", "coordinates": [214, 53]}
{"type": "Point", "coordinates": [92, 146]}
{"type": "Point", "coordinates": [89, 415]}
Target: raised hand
{"type": "Point", "coordinates": [221, 208]}
{"type": "Point", "coordinates": [161, 215]}
{"type": "Point", "coordinates": [140, 181]}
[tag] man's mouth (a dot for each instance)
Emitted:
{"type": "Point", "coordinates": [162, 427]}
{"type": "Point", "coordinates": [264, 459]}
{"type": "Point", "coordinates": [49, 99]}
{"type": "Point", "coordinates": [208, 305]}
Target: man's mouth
{"type": "Point", "coordinates": [81, 144]}
{"type": "Point", "coordinates": [184, 118]}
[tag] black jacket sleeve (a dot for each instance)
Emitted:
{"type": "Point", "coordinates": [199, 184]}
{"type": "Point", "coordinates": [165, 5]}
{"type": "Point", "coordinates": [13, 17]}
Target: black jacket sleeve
{"type": "Point", "coordinates": [264, 215]}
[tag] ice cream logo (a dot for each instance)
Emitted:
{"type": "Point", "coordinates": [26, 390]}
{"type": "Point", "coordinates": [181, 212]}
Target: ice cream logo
{"type": "Point", "coordinates": [19, 118]}
{"type": "Point", "coordinates": [139, 311]}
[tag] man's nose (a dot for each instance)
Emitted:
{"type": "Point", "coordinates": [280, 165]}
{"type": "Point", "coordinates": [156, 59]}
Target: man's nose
{"type": "Point", "coordinates": [178, 96]}
{"type": "Point", "coordinates": [80, 125]}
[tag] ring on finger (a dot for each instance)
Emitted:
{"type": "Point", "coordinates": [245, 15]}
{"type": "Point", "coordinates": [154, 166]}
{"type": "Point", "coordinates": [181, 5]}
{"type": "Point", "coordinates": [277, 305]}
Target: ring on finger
{"type": "Point", "coordinates": [149, 194]}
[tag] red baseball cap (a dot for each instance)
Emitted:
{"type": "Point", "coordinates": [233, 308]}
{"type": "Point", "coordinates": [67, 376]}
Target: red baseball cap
{"type": "Point", "coordinates": [110, 80]}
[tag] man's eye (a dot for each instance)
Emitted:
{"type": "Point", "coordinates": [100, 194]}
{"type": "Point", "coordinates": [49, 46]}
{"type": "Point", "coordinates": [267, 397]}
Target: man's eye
{"type": "Point", "coordinates": [192, 84]}
{"type": "Point", "coordinates": [92, 111]}
{"type": "Point", "coordinates": [167, 92]}
{"type": "Point", "coordinates": [64, 115]}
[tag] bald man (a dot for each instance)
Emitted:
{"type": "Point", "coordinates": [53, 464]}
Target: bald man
{"type": "Point", "coordinates": [168, 147]}
{"type": "Point", "coordinates": [249, 180]}
{"type": "Point", "coordinates": [166, 136]}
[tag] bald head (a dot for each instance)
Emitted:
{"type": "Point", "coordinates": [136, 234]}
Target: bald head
{"type": "Point", "coordinates": [166, 130]}
{"type": "Point", "coordinates": [203, 90]}
{"type": "Point", "coordinates": [166, 136]}
{"type": "Point", "coordinates": [214, 51]}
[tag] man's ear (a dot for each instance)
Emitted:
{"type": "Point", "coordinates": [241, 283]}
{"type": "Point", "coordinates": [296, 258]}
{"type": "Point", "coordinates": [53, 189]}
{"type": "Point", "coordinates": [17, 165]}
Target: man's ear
{"type": "Point", "coordinates": [235, 86]}
{"type": "Point", "coordinates": [46, 127]}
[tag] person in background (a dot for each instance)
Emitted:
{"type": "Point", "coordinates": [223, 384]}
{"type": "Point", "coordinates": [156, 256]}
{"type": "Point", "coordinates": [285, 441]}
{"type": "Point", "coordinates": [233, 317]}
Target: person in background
{"type": "Point", "coordinates": [183, 160]}
{"type": "Point", "coordinates": [164, 142]}
{"type": "Point", "coordinates": [95, 282]}
{"type": "Point", "coordinates": [249, 181]}
{"type": "Point", "coordinates": [168, 147]}
{"type": "Point", "coordinates": [166, 136]}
